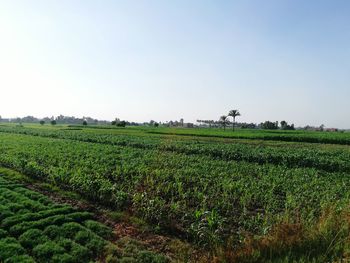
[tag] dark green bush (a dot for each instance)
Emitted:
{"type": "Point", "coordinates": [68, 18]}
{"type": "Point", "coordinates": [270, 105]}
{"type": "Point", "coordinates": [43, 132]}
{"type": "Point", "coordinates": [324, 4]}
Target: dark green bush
{"type": "Point", "coordinates": [14, 207]}
{"type": "Point", "coordinates": [17, 230]}
{"type": "Point", "coordinates": [44, 252]}
{"type": "Point", "coordinates": [77, 252]}
{"type": "Point", "coordinates": [91, 241]}
{"type": "Point", "coordinates": [53, 232]}
{"type": "Point", "coordinates": [98, 228]}
{"type": "Point", "coordinates": [32, 238]}
{"type": "Point", "coordinates": [82, 237]}
{"type": "Point", "coordinates": [69, 230]}
{"type": "Point", "coordinates": [3, 233]}
{"type": "Point", "coordinates": [51, 220]}
{"type": "Point", "coordinates": [5, 213]}
{"type": "Point", "coordinates": [63, 258]}
{"type": "Point", "coordinates": [96, 245]}
{"type": "Point", "coordinates": [80, 253]}
{"type": "Point", "coordinates": [9, 247]}
{"type": "Point", "coordinates": [79, 216]}
{"type": "Point", "coordinates": [13, 220]}
{"type": "Point", "coordinates": [65, 243]}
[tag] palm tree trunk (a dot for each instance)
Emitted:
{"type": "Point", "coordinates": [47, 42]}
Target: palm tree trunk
{"type": "Point", "coordinates": [233, 124]}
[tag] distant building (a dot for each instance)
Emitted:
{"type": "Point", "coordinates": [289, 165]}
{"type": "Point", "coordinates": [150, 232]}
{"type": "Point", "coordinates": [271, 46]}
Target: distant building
{"type": "Point", "coordinates": [311, 128]}
{"type": "Point", "coordinates": [331, 129]}
{"type": "Point", "coordinates": [188, 125]}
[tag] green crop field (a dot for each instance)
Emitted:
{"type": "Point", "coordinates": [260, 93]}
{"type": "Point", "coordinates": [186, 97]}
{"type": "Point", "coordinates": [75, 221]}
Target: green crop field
{"type": "Point", "coordinates": [243, 196]}
{"type": "Point", "coordinates": [33, 228]}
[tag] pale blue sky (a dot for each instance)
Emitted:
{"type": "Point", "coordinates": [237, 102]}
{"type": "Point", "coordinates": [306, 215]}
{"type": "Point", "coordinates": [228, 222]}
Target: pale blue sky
{"type": "Point", "coordinates": [162, 60]}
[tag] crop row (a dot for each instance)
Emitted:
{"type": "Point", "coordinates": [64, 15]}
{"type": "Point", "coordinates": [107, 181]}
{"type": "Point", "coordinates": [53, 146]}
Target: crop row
{"type": "Point", "coordinates": [34, 229]}
{"type": "Point", "coordinates": [322, 158]}
{"type": "Point", "coordinates": [274, 135]}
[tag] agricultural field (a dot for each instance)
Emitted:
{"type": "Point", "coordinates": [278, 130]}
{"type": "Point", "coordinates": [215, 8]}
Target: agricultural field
{"type": "Point", "coordinates": [36, 229]}
{"type": "Point", "coordinates": [33, 228]}
{"type": "Point", "coordinates": [243, 196]}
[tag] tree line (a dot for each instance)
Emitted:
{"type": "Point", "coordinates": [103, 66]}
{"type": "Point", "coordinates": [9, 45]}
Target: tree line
{"type": "Point", "coordinates": [224, 121]}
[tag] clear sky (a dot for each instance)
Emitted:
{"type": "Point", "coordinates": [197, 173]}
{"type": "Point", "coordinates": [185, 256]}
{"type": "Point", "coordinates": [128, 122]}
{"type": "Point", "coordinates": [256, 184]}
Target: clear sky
{"type": "Point", "coordinates": [165, 59]}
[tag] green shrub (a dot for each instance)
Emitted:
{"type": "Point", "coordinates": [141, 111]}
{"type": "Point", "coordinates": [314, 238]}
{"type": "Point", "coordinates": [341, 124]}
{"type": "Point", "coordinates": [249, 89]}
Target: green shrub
{"type": "Point", "coordinates": [80, 253]}
{"type": "Point", "coordinates": [98, 228]}
{"type": "Point", "coordinates": [18, 218]}
{"type": "Point", "coordinates": [3, 233]}
{"type": "Point", "coordinates": [83, 237]}
{"type": "Point", "coordinates": [15, 207]}
{"type": "Point", "coordinates": [65, 243]}
{"type": "Point", "coordinates": [96, 245]}
{"type": "Point", "coordinates": [77, 252]}
{"type": "Point", "coordinates": [53, 232]}
{"type": "Point", "coordinates": [5, 213]}
{"type": "Point", "coordinates": [79, 216]}
{"type": "Point", "coordinates": [9, 247]}
{"type": "Point", "coordinates": [90, 241]}
{"type": "Point", "coordinates": [63, 258]}
{"type": "Point", "coordinates": [69, 230]}
{"type": "Point", "coordinates": [44, 252]}
{"type": "Point", "coordinates": [18, 229]}
{"type": "Point", "coordinates": [32, 238]}
{"type": "Point", "coordinates": [23, 211]}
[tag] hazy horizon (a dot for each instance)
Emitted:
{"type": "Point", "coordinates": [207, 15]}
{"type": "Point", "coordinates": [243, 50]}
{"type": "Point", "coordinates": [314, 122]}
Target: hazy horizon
{"type": "Point", "coordinates": [166, 60]}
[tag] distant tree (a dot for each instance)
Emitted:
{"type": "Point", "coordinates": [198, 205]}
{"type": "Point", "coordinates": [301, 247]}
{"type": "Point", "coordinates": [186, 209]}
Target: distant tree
{"type": "Point", "coordinates": [182, 122]}
{"type": "Point", "coordinates": [53, 122]}
{"type": "Point", "coordinates": [113, 122]}
{"type": "Point", "coordinates": [199, 121]}
{"type": "Point", "coordinates": [121, 124]}
{"type": "Point", "coordinates": [156, 124]}
{"type": "Point", "coordinates": [42, 122]}
{"type": "Point", "coordinates": [269, 125]}
{"type": "Point", "coordinates": [234, 114]}
{"type": "Point", "coordinates": [84, 122]}
{"type": "Point", "coordinates": [223, 121]}
{"type": "Point", "coordinates": [208, 122]}
{"type": "Point", "coordinates": [283, 124]}
{"type": "Point", "coordinates": [248, 126]}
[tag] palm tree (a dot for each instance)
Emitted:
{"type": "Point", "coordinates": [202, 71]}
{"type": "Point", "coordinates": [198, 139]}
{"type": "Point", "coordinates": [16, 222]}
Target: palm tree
{"type": "Point", "coordinates": [234, 114]}
{"type": "Point", "coordinates": [223, 121]}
